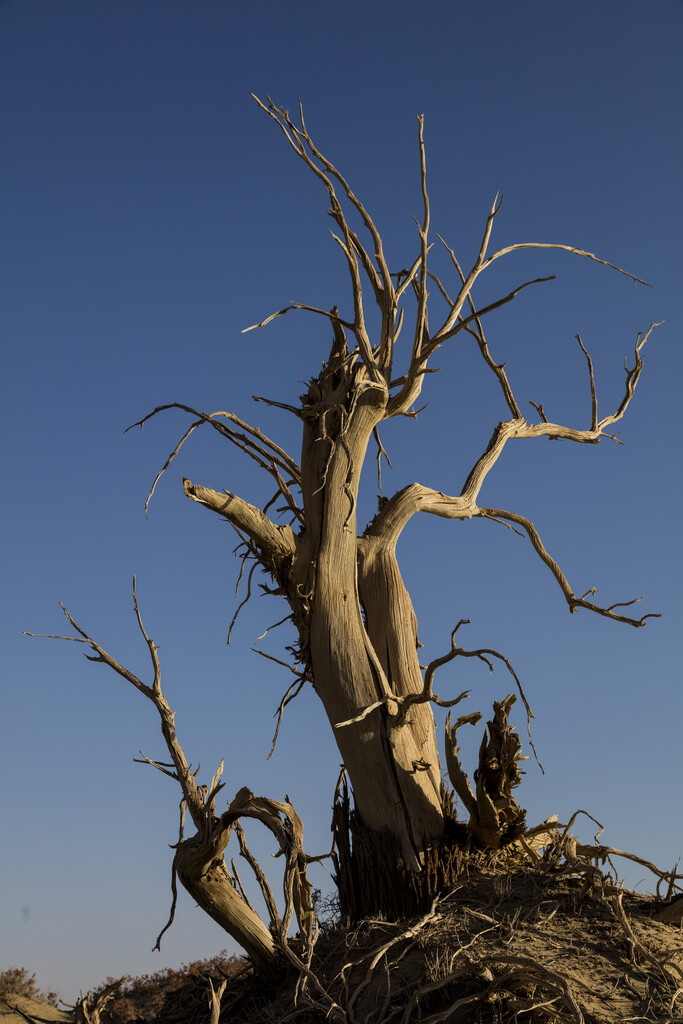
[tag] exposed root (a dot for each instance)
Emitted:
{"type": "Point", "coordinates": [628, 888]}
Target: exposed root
{"type": "Point", "coordinates": [517, 943]}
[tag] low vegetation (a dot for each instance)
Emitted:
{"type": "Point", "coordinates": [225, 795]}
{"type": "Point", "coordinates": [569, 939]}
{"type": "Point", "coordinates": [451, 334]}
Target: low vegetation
{"type": "Point", "coordinates": [17, 981]}
{"type": "Point", "coordinates": [150, 996]}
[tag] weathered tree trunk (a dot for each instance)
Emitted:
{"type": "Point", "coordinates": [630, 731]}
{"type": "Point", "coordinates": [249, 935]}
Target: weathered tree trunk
{"type": "Point", "coordinates": [357, 632]}
{"type": "Point", "coordinates": [394, 771]}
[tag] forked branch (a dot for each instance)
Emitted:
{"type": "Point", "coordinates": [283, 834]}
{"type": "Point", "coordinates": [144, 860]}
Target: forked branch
{"type": "Point", "coordinates": [573, 601]}
{"type": "Point", "coordinates": [192, 793]}
{"type": "Point", "coordinates": [356, 255]}
{"type": "Point", "coordinates": [250, 440]}
{"type": "Point", "coordinates": [199, 860]}
{"type": "Point", "coordinates": [455, 321]}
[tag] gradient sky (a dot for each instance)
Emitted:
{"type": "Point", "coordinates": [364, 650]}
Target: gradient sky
{"type": "Point", "coordinates": [149, 213]}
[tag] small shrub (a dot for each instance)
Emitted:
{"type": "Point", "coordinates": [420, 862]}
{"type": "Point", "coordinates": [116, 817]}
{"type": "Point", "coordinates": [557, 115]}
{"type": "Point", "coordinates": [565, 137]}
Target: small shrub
{"type": "Point", "coordinates": [143, 997]}
{"type": "Point", "coordinates": [16, 981]}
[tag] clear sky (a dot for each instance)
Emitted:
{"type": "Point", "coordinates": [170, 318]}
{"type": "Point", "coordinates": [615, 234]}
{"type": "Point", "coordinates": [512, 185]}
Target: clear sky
{"type": "Point", "coordinates": [150, 212]}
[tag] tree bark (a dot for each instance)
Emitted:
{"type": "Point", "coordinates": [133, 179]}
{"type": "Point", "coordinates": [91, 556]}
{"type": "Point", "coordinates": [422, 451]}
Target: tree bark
{"type": "Point", "coordinates": [394, 771]}
{"type": "Point", "coordinates": [204, 874]}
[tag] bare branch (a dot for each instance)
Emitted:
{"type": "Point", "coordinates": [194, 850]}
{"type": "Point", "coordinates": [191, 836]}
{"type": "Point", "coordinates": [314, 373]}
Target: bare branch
{"type": "Point", "coordinates": [289, 696]}
{"type": "Point", "coordinates": [466, 288]}
{"type": "Point", "coordinates": [161, 766]}
{"type": "Point", "coordinates": [462, 322]}
{"type": "Point", "coordinates": [174, 898]}
{"type": "Point", "coordinates": [387, 700]}
{"type": "Point", "coordinates": [302, 144]}
{"type": "Point", "coordinates": [591, 377]}
{"type": "Point", "coordinates": [242, 603]}
{"type": "Point", "coordinates": [275, 625]}
{"type": "Point", "coordinates": [266, 891]}
{"type": "Point", "coordinates": [295, 139]}
{"type": "Point", "coordinates": [239, 883]}
{"type": "Point", "coordinates": [274, 541]}
{"type": "Point", "coordinates": [257, 445]}
{"type": "Point", "coordinates": [573, 601]}
{"type": "Point", "coordinates": [483, 654]}
{"type": "Point", "coordinates": [421, 327]}
{"type": "Point", "coordinates": [539, 409]}
{"type": "Point", "coordinates": [455, 322]}
{"type": "Point", "coordinates": [191, 791]}
{"type": "Point", "coordinates": [478, 333]}
{"type": "Point", "coordinates": [300, 305]}
{"type": "Point", "coordinates": [381, 451]}
{"type": "Point", "coordinates": [169, 460]}
{"type": "Point", "coordinates": [564, 248]}
{"type": "Point", "coordinates": [595, 433]}
{"type": "Point", "coordinates": [501, 435]}
{"type": "Point", "coordinates": [151, 646]}
{"type": "Point", "coordinates": [285, 824]}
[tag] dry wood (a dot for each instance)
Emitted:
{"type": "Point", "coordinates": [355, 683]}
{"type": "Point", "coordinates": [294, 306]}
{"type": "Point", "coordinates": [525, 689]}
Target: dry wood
{"type": "Point", "coordinates": [199, 860]}
{"type": "Point", "coordinates": [357, 639]}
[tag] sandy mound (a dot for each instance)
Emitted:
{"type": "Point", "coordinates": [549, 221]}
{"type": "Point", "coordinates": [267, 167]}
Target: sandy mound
{"type": "Point", "coordinates": [41, 1012]}
{"type": "Point", "coordinates": [514, 948]}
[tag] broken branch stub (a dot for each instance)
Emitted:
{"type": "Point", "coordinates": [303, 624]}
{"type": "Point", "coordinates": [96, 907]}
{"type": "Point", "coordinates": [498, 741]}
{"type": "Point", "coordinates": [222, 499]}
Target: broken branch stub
{"type": "Point", "coordinates": [495, 817]}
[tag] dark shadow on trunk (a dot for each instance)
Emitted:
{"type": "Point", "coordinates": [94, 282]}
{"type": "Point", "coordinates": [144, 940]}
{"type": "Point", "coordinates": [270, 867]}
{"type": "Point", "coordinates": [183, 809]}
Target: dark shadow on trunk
{"type": "Point", "coordinates": [371, 875]}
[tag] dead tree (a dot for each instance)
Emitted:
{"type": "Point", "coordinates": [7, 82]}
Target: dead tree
{"type": "Point", "coordinates": [357, 631]}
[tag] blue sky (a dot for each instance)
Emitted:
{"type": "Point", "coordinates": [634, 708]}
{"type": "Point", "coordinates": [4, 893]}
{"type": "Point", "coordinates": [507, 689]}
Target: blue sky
{"type": "Point", "coordinates": [149, 213]}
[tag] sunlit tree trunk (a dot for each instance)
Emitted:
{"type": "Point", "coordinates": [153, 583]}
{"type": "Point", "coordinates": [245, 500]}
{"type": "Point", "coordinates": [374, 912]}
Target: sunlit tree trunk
{"type": "Point", "coordinates": [357, 632]}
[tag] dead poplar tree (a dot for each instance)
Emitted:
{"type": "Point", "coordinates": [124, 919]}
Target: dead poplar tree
{"type": "Point", "coordinates": [357, 631]}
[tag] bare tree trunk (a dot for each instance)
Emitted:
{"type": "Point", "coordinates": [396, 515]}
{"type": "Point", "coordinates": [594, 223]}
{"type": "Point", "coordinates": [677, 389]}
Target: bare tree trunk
{"type": "Point", "coordinates": [394, 771]}
{"type": "Point", "coordinates": [357, 631]}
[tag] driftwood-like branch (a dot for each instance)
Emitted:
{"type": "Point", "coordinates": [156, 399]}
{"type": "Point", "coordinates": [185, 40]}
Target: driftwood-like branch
{"type": "Point", "coordinates": [191, 792]}
{"type": "Point", "coordinates": [263, 883]}
{"type": "Point", "coordinates": [252, 441]}
{"type": "Point", "coordinates": [495, 818]}
{"type": "Point", "coordinates": [355, 253]}
{"type": "Point", "coordinates": [275, 541]}
{"type": "Point", "coordinates": [573, 601]}
{"type": "Point", "coordinates": [402, 704]}
{"type": "Point", "coordinates": [597, 431]}
{"type": "Point", "coordinates": [88, 1010]}
{"type": "Point", "coordinates": [198, 861]}
{"type": "Point", "coordinates": [455, 320]}
{"type": "Point", "coordinates": [287, 827]}
{"type": "Point", "coordinates": [215, 996]}
{"type": "Point", "coordinates": [396, 513]}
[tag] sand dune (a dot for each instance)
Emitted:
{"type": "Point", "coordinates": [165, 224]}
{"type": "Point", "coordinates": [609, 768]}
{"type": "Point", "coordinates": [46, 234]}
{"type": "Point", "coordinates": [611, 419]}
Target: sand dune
{"type": "Point", "coordinates": [36, 1009]}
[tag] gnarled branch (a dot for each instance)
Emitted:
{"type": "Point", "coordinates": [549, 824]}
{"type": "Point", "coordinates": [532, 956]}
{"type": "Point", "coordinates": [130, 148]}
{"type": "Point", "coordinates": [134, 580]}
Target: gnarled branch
{"type": "Point", "coordinates": [266, 453]}
{"type": "Point", "coordinates": [573, 601]}
{"type": "Point", "coordinates": [198, 861]}
{"type": "Point", "coordinates": [274, 541]}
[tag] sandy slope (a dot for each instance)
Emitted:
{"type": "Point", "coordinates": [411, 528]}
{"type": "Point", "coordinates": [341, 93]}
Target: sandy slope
{"type": "Point", "coordinates": [35, 1008]}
